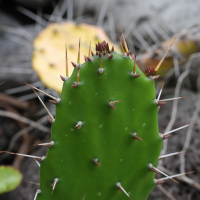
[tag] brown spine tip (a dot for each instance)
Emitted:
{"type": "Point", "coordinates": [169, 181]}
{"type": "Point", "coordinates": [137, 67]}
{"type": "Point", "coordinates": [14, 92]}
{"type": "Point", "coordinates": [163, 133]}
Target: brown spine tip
{"type": "Point", "coordinates": [96, 162]}
{"type": "Point", "coordinates": [88, 59]}
{"type": "Point", "coordinates": [160, 103]}
{"type": "Point", "coordinates": [74, 65]}
{"type": "Point", "coordinates": [75, 85]}
{"type": "Point", "coordinates": [78, 125]}
{"type": "Point", "coordinates": [62, 78]}
{"type": "Point", "coordinates": [100, 55]}
{"type": "Point", "coordinates": [49, 120]}
{"type": "Point", "coordinates": [137, 75]}
{"type": "Point", "coordinates": [53, 102]}
{"type": "Point", "coordinates": [166, 136]}
{"type": "Point", "coordinates": [129, 52]}
{"type": "Point", "coordinates": [159, 182]}
{"type": "Point", "coordinates": [85, 58]}
{"type": "Point", "coordinates": [112, 48]}
{"type": "Point", "coordinates": [92, 53]}
{"type": "Point", "coordinates": [135, 136]}
{"type": "Point", "coordinates": [111, 56]}
{"type": "Point", "coordinates": [153, 169]}
{"type": "Point", "coordinates": [112, 103]}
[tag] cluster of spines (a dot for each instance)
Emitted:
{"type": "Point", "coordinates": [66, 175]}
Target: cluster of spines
{"type": "Point", "coordinates": [102, 49]}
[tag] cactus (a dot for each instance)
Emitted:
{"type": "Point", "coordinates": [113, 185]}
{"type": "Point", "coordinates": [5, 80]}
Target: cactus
{"type": "Point", "coordinates": [105, 143]}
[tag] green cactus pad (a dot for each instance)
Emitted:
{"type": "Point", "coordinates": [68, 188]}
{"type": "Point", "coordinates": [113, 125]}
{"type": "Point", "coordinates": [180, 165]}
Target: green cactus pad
{"type": "Point", "coordinates": [94, 145]}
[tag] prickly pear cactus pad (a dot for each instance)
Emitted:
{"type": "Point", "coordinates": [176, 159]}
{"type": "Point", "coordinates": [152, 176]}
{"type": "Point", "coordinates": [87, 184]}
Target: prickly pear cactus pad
{"type": "Point", "coordinates": [105, 142]}
{"type": "Point", "coordinates": [105, 133]}
{"type": "Point", "coordinates": [49, 47]}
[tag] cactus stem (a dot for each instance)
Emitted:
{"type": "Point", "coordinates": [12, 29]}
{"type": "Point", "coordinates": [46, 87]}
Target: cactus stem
{"type": "Point", "coordinates": [178, 129]}
{"type": "Point", "coordinates": [78, 125]}
{"type": "Point", "coordinates": [44, 106]}
{"type": "Point", "coordinates": [173, 176]}
{"type": "Point", "coordinates": [152, 167]}
{"type": "Point", "coordinates": [96, 162]}
{"type": "Point", "coordinates": [48, 145]}
{"type": "Point", "coordinates": [160, 92]}
{"type": "Point", "coordinates": [101, 67]}
{"type": "Point", "coordinates": [171, 154]}
{"type": "Point", "coordinates": [37, 192]}
{"type": "Point", "coordinates": [89, 53]}
{"type": "Point", "coordinates": [25, 155]}
{"type": "Point", "coordinates": [66, 62]}
{"type": "Point", "coordinates": [135, 136]}
{"type": "Point", "coordinates": [171, 99]}
{"type": "Point", "coordinates": [54, 184]}
{"type": "Point", "coordinates": [112, 103]}
{"type": "Point", "coordinates": [56, 99]}
{"type": "Point", "coordinates": [123, 52]}
{"type": "Point", "coordinates": [37, 162]}
{"type": "Point", "coordinates": [122, 189]}
{"type": "Point", "coordinates": [159, 64]}
{"type": "Point", "coordinates": [157, 182]}
{"type": "Point", "coordinates": [125, 45]}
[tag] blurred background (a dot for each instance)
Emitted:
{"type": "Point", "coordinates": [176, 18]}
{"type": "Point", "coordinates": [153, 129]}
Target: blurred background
{"type": "Point", "coordinates": [32, 51]}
